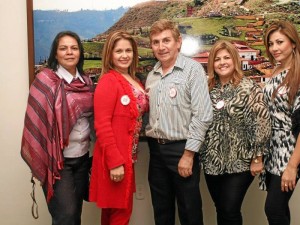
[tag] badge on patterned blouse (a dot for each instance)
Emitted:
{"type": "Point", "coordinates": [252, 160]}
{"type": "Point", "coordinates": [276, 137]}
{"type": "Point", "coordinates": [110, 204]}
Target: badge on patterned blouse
{"type": "Point", "coordinates": [125, 100]}
{"type": "Point", "coordinates": [220, 104]}
{"type": "Point", "coordinates": [282, 90]}
{"type": "Point", "coordinates": [172, 92]}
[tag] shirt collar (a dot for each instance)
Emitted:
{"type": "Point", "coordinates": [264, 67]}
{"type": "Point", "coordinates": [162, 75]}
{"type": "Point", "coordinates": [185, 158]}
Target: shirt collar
{"type": "Point", "coordinates": [64, 74]}
{"type": "Point", "coordinates": [179, 64]}
{"type": "Point", "coordinates": [226, 86]}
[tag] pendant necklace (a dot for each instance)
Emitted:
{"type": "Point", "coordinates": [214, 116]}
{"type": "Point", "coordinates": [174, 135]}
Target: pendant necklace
{"type": "Point", "coordinates": [220, 101]}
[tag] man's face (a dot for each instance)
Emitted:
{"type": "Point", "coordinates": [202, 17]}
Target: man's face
{"type": "Point", "coordinates": [165, 47]}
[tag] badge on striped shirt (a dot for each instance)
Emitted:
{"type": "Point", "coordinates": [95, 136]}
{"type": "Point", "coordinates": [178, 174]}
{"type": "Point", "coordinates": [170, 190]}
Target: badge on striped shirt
{"type": "Point", "coordinates": [173, 92]}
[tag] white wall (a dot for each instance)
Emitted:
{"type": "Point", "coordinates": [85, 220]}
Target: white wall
{"type": "Point", "coordinates": [15, 202]}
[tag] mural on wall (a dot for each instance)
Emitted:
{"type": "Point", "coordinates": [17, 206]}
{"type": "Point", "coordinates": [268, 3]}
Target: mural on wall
{"type": "Point", "coordinates": [201, 23]}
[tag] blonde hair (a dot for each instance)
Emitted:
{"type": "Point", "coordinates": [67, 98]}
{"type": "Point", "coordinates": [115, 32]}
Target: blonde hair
{"type": "Point", "coordinates": [292, 79]}
{"type": "Point", "coordinates": [162, 25]}
{"type": "Point", "coordinates": [112, 39]}
{"type": "Point", "coordinates": [212, 75]}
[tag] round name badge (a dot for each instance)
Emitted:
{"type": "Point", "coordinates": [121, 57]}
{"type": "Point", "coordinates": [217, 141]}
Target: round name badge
{"type": "Point", "coordinates": [282, 90]}
{"type": "Point", "coordinates": [125, 100]}
{"type": "Point", "coordinates": [220, 104]}
{"type": "Point", "coordinates": [172, 92]}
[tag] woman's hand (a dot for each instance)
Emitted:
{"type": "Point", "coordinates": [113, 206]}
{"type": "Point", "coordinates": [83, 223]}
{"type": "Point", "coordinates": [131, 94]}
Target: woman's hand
{"type": "Point", "coordinates": [288, 178]}
{"type": "Point", "coordinates": [256, 166]}
{"type": "Point", "coordinates": [117, 174]}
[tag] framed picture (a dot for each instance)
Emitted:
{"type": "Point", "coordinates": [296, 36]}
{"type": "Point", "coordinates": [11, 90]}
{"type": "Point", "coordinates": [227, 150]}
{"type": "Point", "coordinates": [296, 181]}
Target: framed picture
{"type": "Point", "coordinates": [90, 19]}
{"type": "Point", "coordinates": [30, 40]}
{"type": "Point", "coordinates": [201, 24]}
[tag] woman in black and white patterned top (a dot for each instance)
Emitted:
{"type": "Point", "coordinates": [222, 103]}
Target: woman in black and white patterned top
{"type": "Point", "coordinates": [283, 98]}
{"type": "Point", "coordinates": [236, 140]}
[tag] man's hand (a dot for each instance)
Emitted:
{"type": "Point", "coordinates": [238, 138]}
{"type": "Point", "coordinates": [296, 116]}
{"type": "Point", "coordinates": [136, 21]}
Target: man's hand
{"type": "Point", "coordinates": [185, 164]}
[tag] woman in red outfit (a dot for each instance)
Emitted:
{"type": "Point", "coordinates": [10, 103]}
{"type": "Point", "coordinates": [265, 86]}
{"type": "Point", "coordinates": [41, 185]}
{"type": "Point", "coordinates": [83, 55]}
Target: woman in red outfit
{"type": "Point", "coordinates": [119, 101]}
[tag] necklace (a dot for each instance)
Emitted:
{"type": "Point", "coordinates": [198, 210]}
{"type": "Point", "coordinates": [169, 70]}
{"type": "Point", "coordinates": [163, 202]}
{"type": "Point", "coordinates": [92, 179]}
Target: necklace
{"type": "Point", "coordinates": [280, 70]}
{"type": "Point", "coordinates": [220, 102]}
{"type": "Point", "coordinates": [223, 94]}
{"type": "Point", "coordinates": [133, 82]}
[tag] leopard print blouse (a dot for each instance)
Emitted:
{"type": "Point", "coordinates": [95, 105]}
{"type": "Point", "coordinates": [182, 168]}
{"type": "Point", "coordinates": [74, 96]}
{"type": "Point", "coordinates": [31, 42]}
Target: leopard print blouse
{"type": "Point", "coordinates": [240, 129]}
{"type": "Point", "coordinates": [282, 140]}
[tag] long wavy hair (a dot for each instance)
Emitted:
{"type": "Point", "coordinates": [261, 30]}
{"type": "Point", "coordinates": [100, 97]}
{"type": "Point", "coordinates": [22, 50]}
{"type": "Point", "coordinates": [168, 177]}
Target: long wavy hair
{"type": "Point", "coordinates": [52, 61]}
{"type": "Point", "coordinates": [213, 77]}
{"type": "Point", "coordinates": [107, 59]}
{"type": "Point", "coordinates": [292, 79]}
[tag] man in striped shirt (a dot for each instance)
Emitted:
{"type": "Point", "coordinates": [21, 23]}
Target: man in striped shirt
{"type": "Point", "coordinates": [180, 114]}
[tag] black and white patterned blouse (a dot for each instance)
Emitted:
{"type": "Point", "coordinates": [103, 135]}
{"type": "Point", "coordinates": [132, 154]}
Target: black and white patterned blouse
{"type": "Point", "coordinates": [282, 140]}
{"type": "Point", "coordinates": [240, 129]}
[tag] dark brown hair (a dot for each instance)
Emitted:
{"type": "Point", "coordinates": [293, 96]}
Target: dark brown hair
{"type": "Point", "coordinates": [52, 61]}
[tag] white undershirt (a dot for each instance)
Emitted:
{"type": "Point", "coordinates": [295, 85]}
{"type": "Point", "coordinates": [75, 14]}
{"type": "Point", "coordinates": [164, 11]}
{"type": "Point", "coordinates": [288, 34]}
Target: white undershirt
{"type": "Point", "coordinates": [79, 139]}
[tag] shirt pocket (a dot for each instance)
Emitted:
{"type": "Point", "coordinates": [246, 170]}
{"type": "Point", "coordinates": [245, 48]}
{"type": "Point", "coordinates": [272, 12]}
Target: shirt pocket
{"type": "Point", "coordinates": [175, 93]}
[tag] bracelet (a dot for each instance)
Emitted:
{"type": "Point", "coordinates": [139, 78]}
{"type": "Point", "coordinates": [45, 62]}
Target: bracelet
{"type": "Point", "coordinates": [256, 160]}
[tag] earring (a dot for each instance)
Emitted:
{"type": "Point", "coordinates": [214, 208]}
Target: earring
{"type": "Point", "coordinates": [294, 51]}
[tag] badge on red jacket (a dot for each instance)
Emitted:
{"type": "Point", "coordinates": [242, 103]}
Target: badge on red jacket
{"type": "Point", "coordinates": [125, 100]}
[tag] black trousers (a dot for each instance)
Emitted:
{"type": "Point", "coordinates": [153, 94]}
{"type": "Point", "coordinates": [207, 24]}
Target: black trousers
{"type": "Point", "coordinates": [228, 192]}
{"type": "Point", "coordinates": [65, 206]}
{"type": "Point", "coordinates": [167, 186]}
{"type": "Point", "coordinates": [277, 201]}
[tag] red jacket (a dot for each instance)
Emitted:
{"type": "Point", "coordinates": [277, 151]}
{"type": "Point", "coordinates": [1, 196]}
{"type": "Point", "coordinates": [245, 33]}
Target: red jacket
{"type": "Point", "coordinates": [114, 125]}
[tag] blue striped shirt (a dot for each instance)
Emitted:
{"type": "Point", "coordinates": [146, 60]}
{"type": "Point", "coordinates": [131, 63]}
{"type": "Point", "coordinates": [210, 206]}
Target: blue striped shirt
{"type": "Point", "coordinates": [180, 106]}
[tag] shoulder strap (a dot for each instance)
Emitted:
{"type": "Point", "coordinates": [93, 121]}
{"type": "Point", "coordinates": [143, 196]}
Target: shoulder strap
{"type": "Point", "coordinates": [34, 207]}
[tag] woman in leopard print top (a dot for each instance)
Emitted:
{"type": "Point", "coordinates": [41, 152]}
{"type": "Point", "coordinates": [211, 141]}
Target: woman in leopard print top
{"type": "Point", "coordinates": [232, 152]}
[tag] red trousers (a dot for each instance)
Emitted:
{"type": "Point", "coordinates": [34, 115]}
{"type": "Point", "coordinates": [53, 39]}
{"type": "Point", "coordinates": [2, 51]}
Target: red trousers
{"type": "Point", "coordinates": [112, 216]}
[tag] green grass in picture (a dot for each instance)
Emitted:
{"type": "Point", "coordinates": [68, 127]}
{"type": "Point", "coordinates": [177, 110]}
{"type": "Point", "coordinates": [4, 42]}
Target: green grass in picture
{"type": "Point", "coordinates": [213, 26]}
{"type": "Point", "coordinates": [145, 52]}
{"type": "Point", "coordinates": [92, 64]}
{"type": "Point", "coordinates": [98, 64]}
{"type": "Point", "coordinates": [90, 47]}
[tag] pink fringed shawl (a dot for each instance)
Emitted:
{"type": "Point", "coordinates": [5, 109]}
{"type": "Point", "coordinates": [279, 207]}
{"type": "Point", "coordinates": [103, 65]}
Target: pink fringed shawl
{"type": "Point", "coordinates": [53, 108]}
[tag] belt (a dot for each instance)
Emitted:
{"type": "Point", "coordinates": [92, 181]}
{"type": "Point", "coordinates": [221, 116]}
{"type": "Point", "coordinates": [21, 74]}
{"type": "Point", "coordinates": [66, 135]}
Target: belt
{"type": "Point", "coordinates": [163, 141]}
